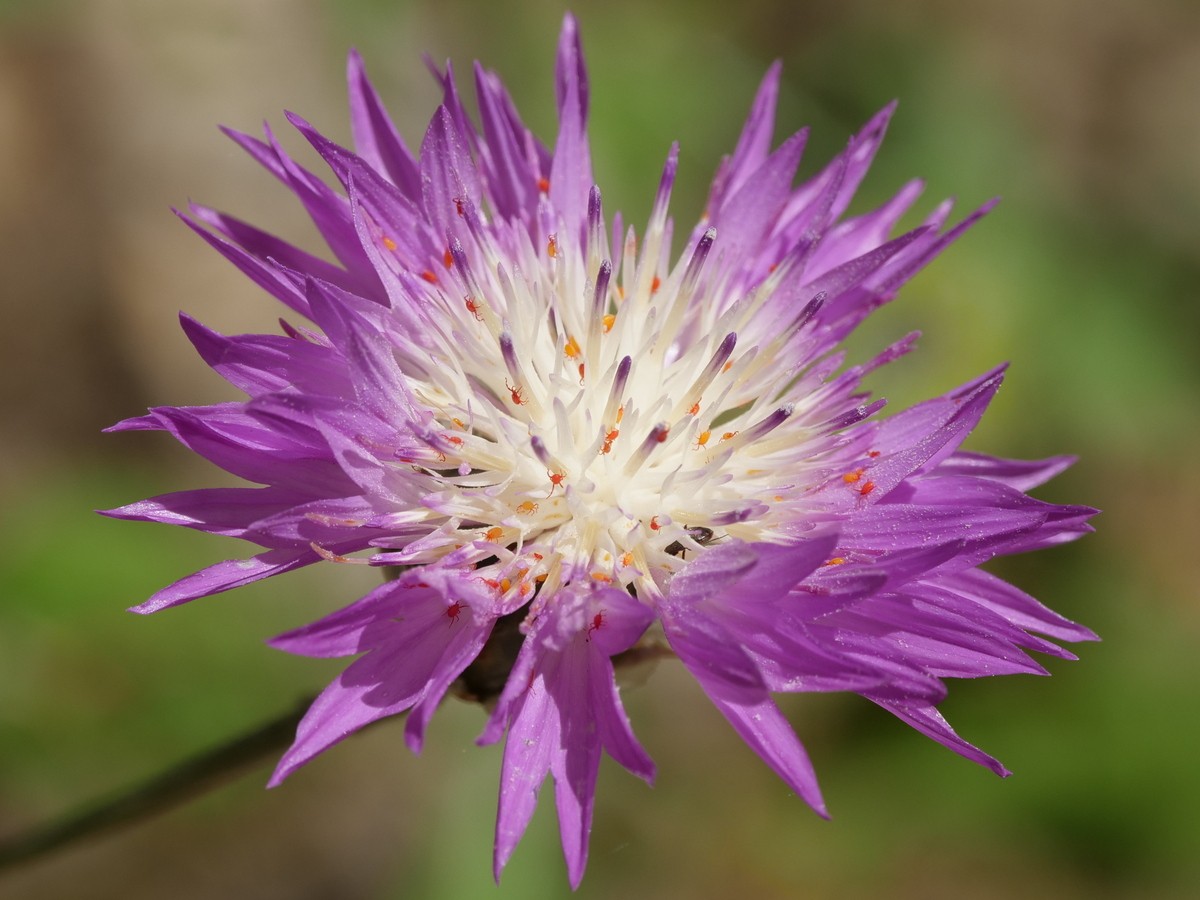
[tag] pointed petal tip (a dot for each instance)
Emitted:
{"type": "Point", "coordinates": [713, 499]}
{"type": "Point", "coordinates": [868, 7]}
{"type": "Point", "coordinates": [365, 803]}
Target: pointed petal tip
{"type": "Point", "coordinates": [144, 609]}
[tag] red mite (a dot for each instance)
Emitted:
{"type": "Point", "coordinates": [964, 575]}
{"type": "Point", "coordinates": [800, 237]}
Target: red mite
{"type": "Point", "coordinates": [597, 624]}
{"type": "Point", "coordinates": [454, 610]}
{"type": "Point", "coordinates": [516, 393]}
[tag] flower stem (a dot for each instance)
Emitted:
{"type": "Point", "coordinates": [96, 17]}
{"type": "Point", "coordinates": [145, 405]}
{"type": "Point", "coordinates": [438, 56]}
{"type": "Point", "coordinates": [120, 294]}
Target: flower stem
{"type": "Point", "coordinates": [194, 776]}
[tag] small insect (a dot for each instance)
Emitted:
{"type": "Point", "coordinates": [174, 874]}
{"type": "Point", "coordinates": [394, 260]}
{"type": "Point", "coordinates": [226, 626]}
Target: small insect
{"type": "Point", "coordinates": [596, 624]}
{"type": "Point", "coordinates": [697, 533]}
{"type": "Point", "coordinates": [517, 393]}
{"type": "Point", "coordinates": [608, 440]}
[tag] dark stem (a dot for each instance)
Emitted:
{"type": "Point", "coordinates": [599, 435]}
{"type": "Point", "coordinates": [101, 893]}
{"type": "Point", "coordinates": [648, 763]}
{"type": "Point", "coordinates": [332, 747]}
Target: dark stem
{"type": "Point", "coordinates": [194, 776]}
{"type": "Point", "coordinates": [481, 682]}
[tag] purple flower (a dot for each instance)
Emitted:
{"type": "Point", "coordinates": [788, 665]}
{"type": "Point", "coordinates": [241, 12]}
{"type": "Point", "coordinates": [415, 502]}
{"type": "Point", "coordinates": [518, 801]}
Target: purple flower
{"type": "Point", "coordinates": [580, 449]}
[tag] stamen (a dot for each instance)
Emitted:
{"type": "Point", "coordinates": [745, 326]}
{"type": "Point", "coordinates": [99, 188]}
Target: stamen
{"type": "Point", "coordinates": [658, 434]}
{"type": "Point", "coordinates": [761, 428]}
{"type": "Point", "coordinates": [715, 365]}
{"type": "Point", "coordinates": [617, 392]}
{"type": "Point", "coordinates": [595, 227]}
{"type": "Point", "coordinates": [597, 319]}
{"type": "Point", "coordinates": [696, 264]}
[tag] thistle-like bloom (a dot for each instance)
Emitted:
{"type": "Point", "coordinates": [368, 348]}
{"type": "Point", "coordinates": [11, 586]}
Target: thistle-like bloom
{"type": "Point", "coordinates": [575, 447]}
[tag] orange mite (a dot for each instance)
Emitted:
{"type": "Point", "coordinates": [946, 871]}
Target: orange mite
{"type": "Point", "coordinates": [493, 534]}
{"type": "Point", "coordinates": [851, 477]}
{"type": "Point", "coordinates": [729, 434]}
{"type": "Point", "coordinates": [527, 507]}
{"type": "Point", "coordinates": [702, 439]}
{"type": "Point", "coordinates": [609, 321]}
{"type": "Point", "coordinates": [448, 258]}
{"type": "Point", "coordinates": [608, 441]}
{"type": "Point", "coordinates": [389, 243]}
{"type": "Point", "coordinates": [429, 276]}
{"type": "Point", "coordinates": [867, 488]}
{"type": "Point", "coordinates": [695, 408]}
{"type": "Point", "coordinates": [655, 284]}
{"type": "Point", "coordinates": [516, 393]}
{"type": "Point", "coordinates": [552, 246]}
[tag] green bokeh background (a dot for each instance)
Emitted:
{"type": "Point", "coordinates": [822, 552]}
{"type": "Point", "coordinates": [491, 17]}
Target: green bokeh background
{"type": "Point", "coordinates": [1082, 115]}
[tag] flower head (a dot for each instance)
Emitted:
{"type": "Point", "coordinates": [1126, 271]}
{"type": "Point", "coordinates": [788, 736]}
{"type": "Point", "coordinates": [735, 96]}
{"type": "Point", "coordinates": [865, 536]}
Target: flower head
{"type": "Point", "coordinates": [576, 445]}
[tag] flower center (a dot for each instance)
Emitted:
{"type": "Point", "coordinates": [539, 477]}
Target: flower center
{"type": "Point", "coordinates": [601, 419]}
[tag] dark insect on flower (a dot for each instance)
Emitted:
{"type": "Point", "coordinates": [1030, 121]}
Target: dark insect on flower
{"type": "Point", "coordinates": [697, 534]}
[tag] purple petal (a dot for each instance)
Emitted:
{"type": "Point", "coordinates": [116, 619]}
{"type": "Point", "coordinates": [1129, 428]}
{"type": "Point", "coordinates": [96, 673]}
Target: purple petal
{"type": "Point", "coordinates": [227, 511]}
{"type": "Point", "coordinates": [375, 136]}
{"type": "Point", "coordinates": [763, 727]}
{"type": "Point", "coordinates": [571, 168]}
{"type": "Point", "coordinates": [227, 575]}
{"type": "Point", "coordinates": [927, 720]}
